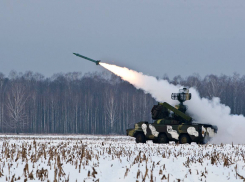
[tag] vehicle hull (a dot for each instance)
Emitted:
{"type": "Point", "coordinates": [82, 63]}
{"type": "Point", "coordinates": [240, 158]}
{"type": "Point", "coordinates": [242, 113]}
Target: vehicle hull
{"type": "Point", "coordinates": [199, 133]}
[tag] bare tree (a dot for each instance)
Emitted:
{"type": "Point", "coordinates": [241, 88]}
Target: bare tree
{"type": "Point", "coordinates": [95, 102]}
{"type": "Point", "coordinates": [16, 99]}
{"type": "Point", "coordinates": [111, 109]}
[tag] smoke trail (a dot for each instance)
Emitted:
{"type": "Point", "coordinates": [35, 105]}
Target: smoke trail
{"type": "Point", "coordinates": [231, 128]}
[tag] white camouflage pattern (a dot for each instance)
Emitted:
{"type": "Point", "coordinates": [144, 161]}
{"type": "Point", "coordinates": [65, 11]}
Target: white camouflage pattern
{"type": "Point", "coordinates": [153, 130]}
{"type": "Point", "coordinates": [144, 128]}
{"type": "Point", "coordinates": [172, 132]}
{"type": "Point", "coordinates": [192, 131]}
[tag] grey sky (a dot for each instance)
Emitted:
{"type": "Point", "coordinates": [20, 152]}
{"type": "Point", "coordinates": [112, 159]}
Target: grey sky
{"type": "Point", "coordinates": [153, 37]}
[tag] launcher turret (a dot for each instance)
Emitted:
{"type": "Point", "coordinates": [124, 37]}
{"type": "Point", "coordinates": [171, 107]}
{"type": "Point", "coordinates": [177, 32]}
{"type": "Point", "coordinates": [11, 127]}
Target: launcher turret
{"type": "Point", "coordinates": [162, 110]}
{"type": "Point", "coordinates": [182, 96]}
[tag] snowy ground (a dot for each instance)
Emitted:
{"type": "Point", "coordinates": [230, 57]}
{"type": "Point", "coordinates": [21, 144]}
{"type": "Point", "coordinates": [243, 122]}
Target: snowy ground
{"type": "Point", "coordinates": [115, 158]}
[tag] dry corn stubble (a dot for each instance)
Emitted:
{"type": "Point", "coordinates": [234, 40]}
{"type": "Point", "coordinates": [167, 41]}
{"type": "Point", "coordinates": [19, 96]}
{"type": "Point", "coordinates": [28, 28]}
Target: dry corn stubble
{"type": "Point", "coordinates": [149, 162]}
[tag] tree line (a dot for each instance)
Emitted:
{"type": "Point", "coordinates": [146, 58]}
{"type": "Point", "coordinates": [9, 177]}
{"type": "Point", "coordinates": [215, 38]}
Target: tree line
{"type": "Point", "coordinates": [94, 103]}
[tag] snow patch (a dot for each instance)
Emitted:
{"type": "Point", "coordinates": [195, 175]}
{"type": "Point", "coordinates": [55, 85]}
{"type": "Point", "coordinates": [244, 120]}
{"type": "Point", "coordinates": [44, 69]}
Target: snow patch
{"type": "Point", "coordinates": [115, 158]}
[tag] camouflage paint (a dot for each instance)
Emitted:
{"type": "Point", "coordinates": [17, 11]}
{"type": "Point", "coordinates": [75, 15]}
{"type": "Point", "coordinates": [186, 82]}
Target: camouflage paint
{"type": "Point", "coordinates": [144, 128]}
{"type": "Point", "coordinates": [210, 132]}
{"type": "Point", "coordinates": [203, 131]}
{"type": "Point", "coordinates": [153, 131]}
{"type": "Point", "coordinates": [174, 134]}
{"type": "Point", "coordinates": [192, 131]}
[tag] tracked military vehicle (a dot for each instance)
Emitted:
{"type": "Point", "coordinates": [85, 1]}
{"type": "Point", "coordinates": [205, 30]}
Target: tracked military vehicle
{"type": "Point", "coordinates": [172, 124]}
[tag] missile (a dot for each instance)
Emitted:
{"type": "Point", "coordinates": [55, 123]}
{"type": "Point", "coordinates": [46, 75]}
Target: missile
{"type": "Point", "coordinates": [79, 55]}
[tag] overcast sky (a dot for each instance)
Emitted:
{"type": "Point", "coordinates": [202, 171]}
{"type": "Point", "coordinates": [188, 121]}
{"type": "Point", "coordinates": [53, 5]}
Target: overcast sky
{"type": "Point", "coordinates": [155, 37]}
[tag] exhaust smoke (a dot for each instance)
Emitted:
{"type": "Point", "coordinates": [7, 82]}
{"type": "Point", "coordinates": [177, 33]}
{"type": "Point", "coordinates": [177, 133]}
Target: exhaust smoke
{"type": "Point", "coordinates": [231, 128]}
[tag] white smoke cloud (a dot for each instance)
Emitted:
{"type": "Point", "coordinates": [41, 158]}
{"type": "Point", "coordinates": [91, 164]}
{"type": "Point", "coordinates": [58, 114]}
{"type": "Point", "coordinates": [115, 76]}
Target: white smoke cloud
{"type": "Point", "coordinates": [231, 128]}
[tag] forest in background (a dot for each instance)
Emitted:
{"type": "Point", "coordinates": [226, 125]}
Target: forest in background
{"type": "Point", "coordinates": [94, 103]}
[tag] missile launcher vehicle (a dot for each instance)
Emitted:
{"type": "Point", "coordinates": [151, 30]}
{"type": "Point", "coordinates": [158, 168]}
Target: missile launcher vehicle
{"type": "Point", "coordinates": [172, 124]}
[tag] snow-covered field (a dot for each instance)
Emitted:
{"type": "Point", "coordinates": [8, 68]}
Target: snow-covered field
{"type": "Point", "coordinates": [115, 158]}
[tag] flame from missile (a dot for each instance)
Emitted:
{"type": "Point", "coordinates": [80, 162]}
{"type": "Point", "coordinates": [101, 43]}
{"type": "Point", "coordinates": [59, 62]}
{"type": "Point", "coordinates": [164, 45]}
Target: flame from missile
{"type": "Point", "coordinates": [125, 73]}
{"type": "Point", "coordinates": [147, 83]}
{"type": "Point", "coordinates": [230, 127]}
